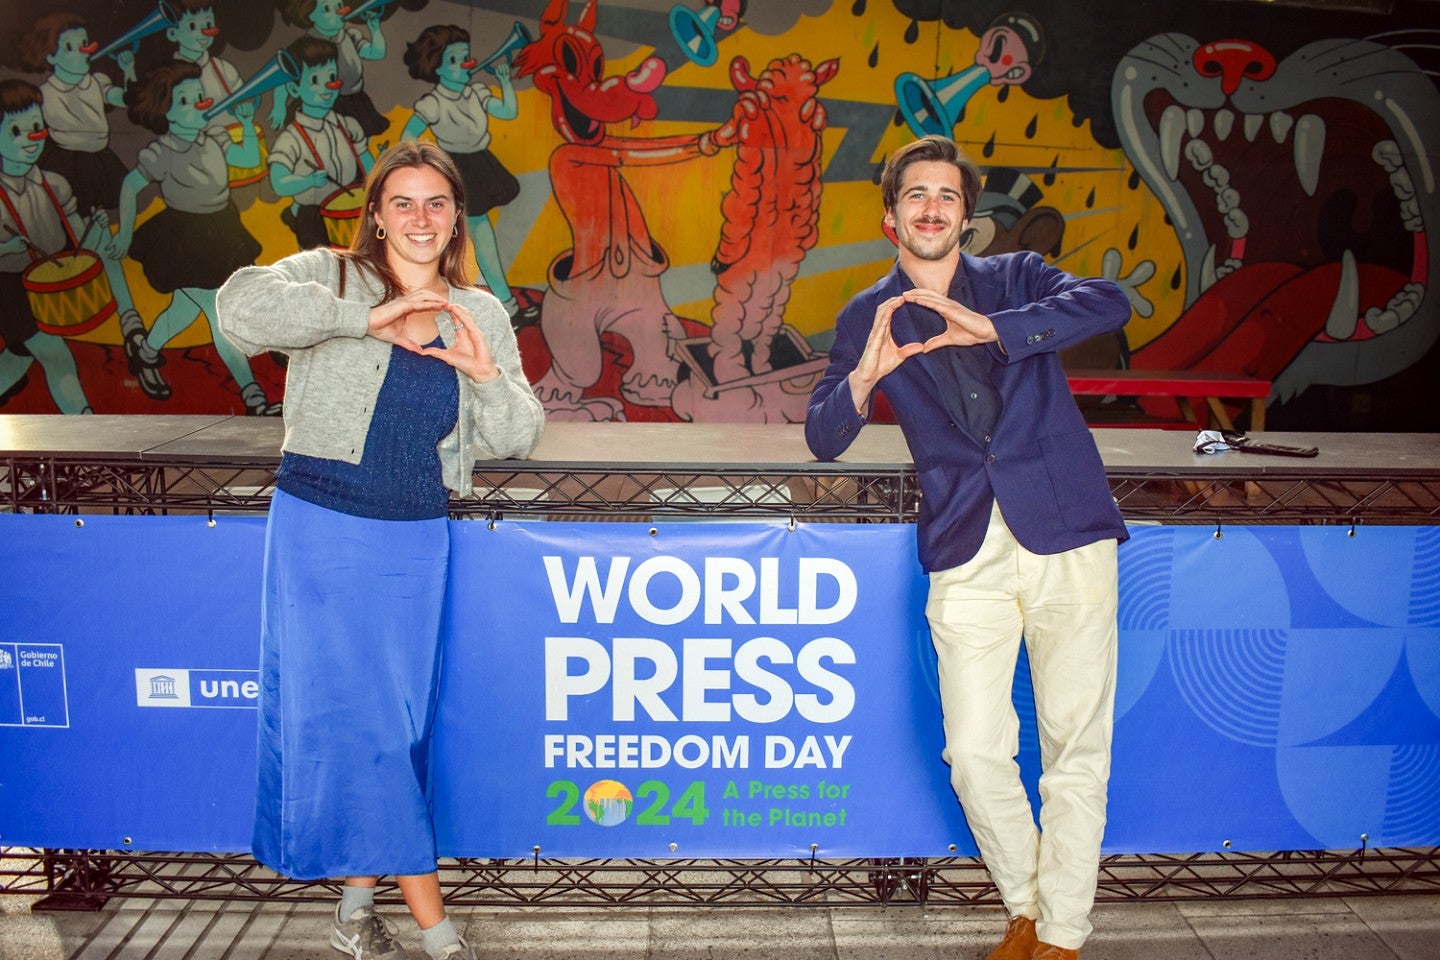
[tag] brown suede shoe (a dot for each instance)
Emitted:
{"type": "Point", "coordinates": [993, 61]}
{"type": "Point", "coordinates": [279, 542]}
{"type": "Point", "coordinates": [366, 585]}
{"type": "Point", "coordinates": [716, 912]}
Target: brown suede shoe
{"type": "Point", "coordinates": [1048, 951]}
{"type": "Point", "coordinates": [1019, 941]}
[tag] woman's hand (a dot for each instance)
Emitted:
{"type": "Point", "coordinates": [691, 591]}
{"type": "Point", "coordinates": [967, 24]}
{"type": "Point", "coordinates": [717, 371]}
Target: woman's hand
{"type": "Point", "coordinates": [470, 354]}
{"type": "Point", "coordinates": [389, 321]}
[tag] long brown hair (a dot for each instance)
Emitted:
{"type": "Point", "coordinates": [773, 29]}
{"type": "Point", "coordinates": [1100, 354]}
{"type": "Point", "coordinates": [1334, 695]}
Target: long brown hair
{"type": "Point", "coordinates": [368, 251]}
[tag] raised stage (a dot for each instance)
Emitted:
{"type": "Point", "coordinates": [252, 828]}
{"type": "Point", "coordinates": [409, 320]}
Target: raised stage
{"type": "Point", "coordinates": [190, 464]}
{"type": "Point", "coordinates": [198, 465]}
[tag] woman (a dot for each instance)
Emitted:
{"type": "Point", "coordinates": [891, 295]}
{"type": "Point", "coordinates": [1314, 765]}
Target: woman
{"type": "Point", "coordinates": [400, 375]}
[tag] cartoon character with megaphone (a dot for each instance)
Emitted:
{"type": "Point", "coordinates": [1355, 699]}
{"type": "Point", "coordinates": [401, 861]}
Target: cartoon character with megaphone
{"type": "Point", "coordinates": [333, 21]}
{"type": "Point", "coordinates": [457, 112]}
{"type": "Point", "coordinates": [191, 247]}
{"type": "Point", "coordinates": [75, 103]}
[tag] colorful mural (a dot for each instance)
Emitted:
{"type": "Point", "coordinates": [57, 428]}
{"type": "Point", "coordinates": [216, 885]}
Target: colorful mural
{"type": "Point", "coordinates": [674, 199]}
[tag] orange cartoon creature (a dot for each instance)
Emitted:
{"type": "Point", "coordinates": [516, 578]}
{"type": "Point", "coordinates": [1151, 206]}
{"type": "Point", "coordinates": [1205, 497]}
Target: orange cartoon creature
{"type": "Point", "coordinates": [754, 367]}
{"type": "Point", "coordinates": [609, 281]}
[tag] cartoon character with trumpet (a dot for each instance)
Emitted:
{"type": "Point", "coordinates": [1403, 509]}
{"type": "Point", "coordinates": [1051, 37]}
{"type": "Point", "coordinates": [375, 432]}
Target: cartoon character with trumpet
{"type": "Point", "coordinates": [189, 166]}
{"type": "Point", "coordinates": [194, 34]}
{"type": "Point", "coordinates": [334, 22]}
{"type": "Point", "coordinates": [320, 157]}
{"type": "Point", "coordinates": [37, 217]}
{"type": "Point", "coordinates": [457, 112]}
{"type": "Point", "coordinates": [75, 103]}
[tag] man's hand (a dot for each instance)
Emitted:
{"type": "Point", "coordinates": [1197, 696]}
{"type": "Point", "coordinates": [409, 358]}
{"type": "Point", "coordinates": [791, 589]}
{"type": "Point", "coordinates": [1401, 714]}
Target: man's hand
{"type": "Point", "coordinates": [881, 355]}
{"type": "Point", "coordinates": [963, 326]}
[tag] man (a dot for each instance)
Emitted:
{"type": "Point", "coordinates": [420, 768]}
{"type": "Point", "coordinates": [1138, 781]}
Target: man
{"type": "Point", "coordinates": [1017, 528]}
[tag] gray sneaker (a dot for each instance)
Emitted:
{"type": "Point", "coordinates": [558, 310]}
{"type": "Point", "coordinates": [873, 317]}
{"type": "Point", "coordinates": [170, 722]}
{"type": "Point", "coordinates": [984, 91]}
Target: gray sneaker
{"type": "Point", "coordinates": [366, 936]}
{"type": "Point", "coordinates": [457, 951]}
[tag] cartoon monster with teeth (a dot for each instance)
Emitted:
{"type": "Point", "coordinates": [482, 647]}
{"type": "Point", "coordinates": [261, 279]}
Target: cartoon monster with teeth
{"type": "Point", "coordinates": [1301, 191]}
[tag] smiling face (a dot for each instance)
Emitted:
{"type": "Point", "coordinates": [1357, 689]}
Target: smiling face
{"type": "Point", "coordinates": [419, 214]}
{"type": "Point", "coordinates": [456, 66]}
{"type": "Point", "coordinates": [195, 33]}
{"type": "Point", "coordinates": [187, 107]}
{"type": "Point", "coordinates": [929, 213]}
{"type": "Point", "coordinates": [327, 18]}
{"type": "Point", "coordinates": [318, 88]}
{"type": "Point", "coordinates": [22, 137]}
{"type": "Point", "coordinates": [72, 53]}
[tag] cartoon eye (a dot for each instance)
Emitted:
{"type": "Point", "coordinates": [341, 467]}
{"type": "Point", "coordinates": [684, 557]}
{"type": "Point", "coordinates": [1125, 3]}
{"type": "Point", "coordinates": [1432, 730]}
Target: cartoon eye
{"type": "Point", "coordinates": [967, 235]}
{"type": "Point", "coordinates": [15, 130]}
{"type": "Point", "coordinates": [597, 65]}
{"type": "Point", "coordinates": [570, 56]}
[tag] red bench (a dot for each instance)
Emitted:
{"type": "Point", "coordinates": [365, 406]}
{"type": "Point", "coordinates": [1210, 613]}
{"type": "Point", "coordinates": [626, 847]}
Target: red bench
{"type": "Point", "coordinates": [1185, 387]}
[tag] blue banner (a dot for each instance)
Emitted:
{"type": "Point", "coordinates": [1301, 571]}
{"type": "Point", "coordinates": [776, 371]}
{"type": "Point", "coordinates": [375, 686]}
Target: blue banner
{"type": "Point", "coordinates": [729, 690]}
{"type": "Point", "coordinates": [700, 690]}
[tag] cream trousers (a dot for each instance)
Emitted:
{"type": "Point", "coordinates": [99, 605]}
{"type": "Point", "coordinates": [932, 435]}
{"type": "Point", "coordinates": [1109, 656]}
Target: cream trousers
{"type": "Point", "coordinates": [1065, 605]}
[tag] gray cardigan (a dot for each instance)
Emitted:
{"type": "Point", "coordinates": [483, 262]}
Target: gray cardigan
{"type": "Point", "coordinates": [336, 368]}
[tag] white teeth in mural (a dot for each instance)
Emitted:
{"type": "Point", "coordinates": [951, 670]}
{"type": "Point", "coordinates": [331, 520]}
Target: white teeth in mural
{"type": "Point", "coordinates": [1280, 124]}
{"type": "Point", "coordinates": [1237, 224]}
{"type": "Point", "coordinates": [1253, 123]}
{"type": "Point", "coordinates": [1227, 199]}
{"type": "Point", "coordinates": [1387, 154]}
{"type": "Point", "coordinates": [1172, 128]}
{"type": "Point", "coordinates": [1229, 266]}
{"type": "Point", "coordinates": [1340, 325]}
{"type": "Point", "coordinates": [1401, 307]}
{"type": "Point", "coordinates": [1400, 183]}
{"type": "Point", "coordinates": [1309, 150]}
{"type": "Point", "coordinates": [1199, 155]}
{"type": "Point", "coordinates": [1410, 215]}
{"type": "Point", "coordinates": [1195, 121]}
{"type": "Point", "coordinates": [1216, 177]}
{"type": "Point", "coordinates": [1224, 122]}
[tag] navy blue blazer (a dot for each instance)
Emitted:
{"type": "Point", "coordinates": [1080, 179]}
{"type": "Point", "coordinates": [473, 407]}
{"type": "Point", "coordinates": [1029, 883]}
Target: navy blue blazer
{"type": "Point", "coordinates": [1040, 463]}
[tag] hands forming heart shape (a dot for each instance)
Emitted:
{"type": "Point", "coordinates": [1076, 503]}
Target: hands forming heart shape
{"type": "Point", "coordinates": [963, 328]}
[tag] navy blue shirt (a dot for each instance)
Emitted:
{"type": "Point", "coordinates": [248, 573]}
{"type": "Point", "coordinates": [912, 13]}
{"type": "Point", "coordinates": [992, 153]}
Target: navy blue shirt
{"type": "Point", "coordinates": [398, 476]}
{"type": "Point", "coordinates": [967, 374]}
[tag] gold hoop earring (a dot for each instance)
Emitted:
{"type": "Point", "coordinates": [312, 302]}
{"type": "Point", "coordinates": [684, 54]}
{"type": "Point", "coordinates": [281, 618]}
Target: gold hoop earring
{"type": "Point", "coordinates": [379, 233]}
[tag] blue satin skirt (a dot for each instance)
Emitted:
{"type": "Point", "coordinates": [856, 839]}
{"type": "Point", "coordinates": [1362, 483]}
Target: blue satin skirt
{"type": "Point", "coordinates": [349, 672]}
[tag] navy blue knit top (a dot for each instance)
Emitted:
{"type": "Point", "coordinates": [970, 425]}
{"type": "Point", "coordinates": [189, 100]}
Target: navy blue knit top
{"type": "Point", "coordinates": [398, 476]}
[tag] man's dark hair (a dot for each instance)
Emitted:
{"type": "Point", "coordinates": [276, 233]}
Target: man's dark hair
{"type": "Point", "coordinates": [931, 148]}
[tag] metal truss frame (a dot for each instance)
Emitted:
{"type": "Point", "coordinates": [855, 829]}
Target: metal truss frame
{"type": "Point", "coordinates": [86, 879]}
{"type": "Point", "coordinates": [804, 492]}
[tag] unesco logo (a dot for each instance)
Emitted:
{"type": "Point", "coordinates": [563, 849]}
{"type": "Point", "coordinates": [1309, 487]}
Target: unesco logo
{"type": "Point", "coordinates": [190, 687]}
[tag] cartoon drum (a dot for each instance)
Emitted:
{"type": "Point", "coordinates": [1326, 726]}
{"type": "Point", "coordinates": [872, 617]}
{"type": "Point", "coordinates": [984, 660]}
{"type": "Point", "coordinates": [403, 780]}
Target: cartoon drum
{"type": "Point", "coordinates": [69, 293]}
{"type": "Point", "coordinates": [342, 211]}
{"type": "Point", "coordinates": [244, 176]}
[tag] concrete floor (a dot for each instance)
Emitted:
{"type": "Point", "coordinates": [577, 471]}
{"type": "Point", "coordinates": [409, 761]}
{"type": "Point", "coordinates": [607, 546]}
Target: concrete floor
{"type": "Point", "coordinates": [1406, 927]}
